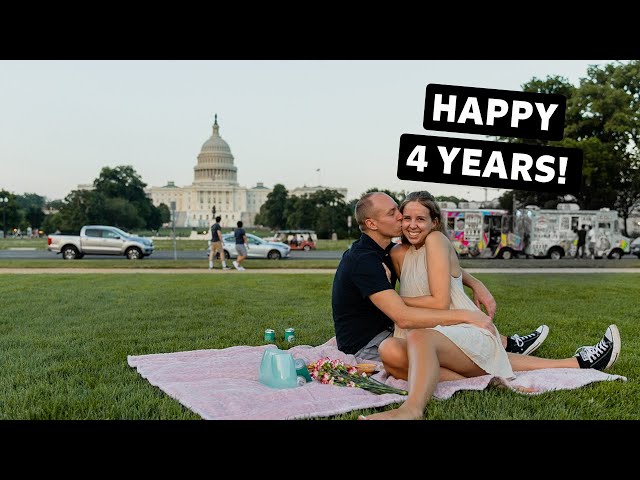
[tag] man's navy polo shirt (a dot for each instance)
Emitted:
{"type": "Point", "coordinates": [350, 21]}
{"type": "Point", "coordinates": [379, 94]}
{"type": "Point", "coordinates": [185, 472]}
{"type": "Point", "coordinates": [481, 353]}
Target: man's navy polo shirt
{"type": "Point", "coordinates": [360, 274]}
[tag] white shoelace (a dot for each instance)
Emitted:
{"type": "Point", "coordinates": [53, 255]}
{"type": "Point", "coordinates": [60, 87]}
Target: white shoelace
{"type": "Point", "coordinates": [591, 353]}
{"type": "Point", "coordinates": [520, 340]}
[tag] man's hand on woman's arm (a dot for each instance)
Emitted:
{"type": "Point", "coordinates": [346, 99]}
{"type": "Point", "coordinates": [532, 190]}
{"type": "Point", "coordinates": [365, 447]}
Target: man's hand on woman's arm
{"type": "Point", "coordinates": [481, 294]}
{"type": "Point", "coordinates": [392, 305]}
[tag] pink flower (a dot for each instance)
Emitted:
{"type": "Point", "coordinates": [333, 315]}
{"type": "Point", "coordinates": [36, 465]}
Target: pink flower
{"type": "Point", "coordinates": [336, 372]}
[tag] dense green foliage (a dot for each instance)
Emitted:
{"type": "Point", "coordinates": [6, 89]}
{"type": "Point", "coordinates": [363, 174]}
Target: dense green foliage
{"type": "Point", "coordinates": [603, 120]}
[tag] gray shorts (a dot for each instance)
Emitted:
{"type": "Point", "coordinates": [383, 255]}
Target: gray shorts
{"type": "Point", "coordinates": [370, 350]}
{"type": "Point", "coordinates": [241, 250]}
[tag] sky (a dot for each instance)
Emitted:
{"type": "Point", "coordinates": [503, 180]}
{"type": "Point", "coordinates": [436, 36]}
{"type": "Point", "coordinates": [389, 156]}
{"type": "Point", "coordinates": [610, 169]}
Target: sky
{"type": "Point", "coordinates": [62, 121]}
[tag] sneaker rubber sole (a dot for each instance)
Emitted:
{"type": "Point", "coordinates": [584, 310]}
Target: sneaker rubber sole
{"type": "Point", "coordinates": [615, 336]}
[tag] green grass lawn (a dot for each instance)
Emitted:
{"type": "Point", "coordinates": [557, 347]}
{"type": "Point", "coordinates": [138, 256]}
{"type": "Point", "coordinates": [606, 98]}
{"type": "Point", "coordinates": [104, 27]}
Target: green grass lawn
{"type": "Point", "coordinates": [37, 243]}
{"type": "Point", "coordinates": [64, 339]}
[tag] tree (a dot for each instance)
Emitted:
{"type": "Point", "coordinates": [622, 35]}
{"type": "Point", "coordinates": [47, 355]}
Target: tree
{"type": "Point", "coordinates": [165, 213]}
{"type": "Point", "coordinates": [301, 212]}
{"type": "Point", "coordinates": [456, 200]}
{"type": "Point", "coordinates": [272, 212]}
{"type": "Point", "coordinates": [607, 126]}
{"type": "Point", "coordinates": [75, 211]}
{"type": "Point", "coordinates": [121, 213]}
{"type": "Point", "coordinates": [524, 198]}
{"type": "Point", "coordinates": [34, 216]}
{"type": "Point", "coordinates": [50, 223]}
{"type": "Point", "coordinates": [55, 204]}
{"type": "Point", "coordinates": [13, 214]}
{"type": "Point", "coordinates": [122, 181]}
{"type": "Point", "coordinates": [603, 120]}
{"type": "Point", "coordinates": [125, 183]}
{"type": "Point", "coordinates": [331, 213]}
{"type": "Point", "coordinates": [30, 200]}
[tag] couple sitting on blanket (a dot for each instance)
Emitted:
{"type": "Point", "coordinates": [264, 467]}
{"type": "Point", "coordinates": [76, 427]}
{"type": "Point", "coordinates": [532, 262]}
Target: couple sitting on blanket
{"type": "Point", "coordinates": [431, 331]}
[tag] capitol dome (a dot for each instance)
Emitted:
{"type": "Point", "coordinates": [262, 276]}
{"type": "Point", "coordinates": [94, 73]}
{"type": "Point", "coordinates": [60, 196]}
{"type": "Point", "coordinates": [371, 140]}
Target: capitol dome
{"type": "Point", "coordinates": [215, 161]}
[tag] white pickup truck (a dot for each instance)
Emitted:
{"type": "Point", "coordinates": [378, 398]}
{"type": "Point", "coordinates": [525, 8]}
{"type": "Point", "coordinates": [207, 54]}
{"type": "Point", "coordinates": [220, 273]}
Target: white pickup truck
{"type": "Point", "coordinates": [100, 240]}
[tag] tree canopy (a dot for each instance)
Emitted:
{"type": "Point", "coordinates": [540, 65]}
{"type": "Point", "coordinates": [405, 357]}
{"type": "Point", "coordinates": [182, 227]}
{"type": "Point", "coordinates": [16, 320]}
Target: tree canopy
{"type": "Point", "coordinates": [118, 199]}
{"type": "Point", "coordinates": [603, 120]}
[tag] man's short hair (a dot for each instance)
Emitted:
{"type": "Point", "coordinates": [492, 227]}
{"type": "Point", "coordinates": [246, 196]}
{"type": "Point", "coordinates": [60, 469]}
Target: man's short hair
{"type": "Point", "coordinates": [364, 209]}
{"type": "Point", "coordinates": [218, 218]}
{"type": "Point", "coordinates": [239, 223]}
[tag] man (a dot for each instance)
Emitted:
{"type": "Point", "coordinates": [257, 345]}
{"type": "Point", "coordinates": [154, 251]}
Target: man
{"type": "Point", "coordinates": [242, 244]}
{"type": "Point", "coordinates": [216, 244]}
{"type": "Point", "coordinates": [364, 301]}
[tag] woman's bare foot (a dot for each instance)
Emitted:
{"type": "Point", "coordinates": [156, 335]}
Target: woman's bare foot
{"type": "Point", "coordinates": [525, 389]}
{"type": "Point", "coordinates": [400, 413]}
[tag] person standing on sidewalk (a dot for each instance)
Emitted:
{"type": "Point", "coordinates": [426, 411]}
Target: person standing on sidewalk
{"type": "Point", "coordinates": [582, 240]}
{"type": "Point", "coordinates": [216, 244]}
{"type": "Point", "coordinates": [242, 245]}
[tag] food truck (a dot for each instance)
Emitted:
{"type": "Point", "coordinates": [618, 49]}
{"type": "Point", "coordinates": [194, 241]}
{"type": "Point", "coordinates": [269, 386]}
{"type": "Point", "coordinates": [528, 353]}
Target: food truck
{"type": "Point", "coordinates": [553, 233]}
{"type": "Point", "coordinates": [481, 232]}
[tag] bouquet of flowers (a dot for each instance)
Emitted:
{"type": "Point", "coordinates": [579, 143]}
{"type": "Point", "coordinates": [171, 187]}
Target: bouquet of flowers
{"type": "Point", "coordinates": [336, 372]}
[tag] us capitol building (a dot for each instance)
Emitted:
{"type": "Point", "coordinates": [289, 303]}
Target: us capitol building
{"type": "Point", "coordinates": [215, 184]}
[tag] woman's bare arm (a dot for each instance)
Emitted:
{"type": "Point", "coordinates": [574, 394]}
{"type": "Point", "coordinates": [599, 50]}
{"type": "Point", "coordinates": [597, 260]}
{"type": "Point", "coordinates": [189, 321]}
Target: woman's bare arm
{"type": "Point", "coordinates": [397, 257]}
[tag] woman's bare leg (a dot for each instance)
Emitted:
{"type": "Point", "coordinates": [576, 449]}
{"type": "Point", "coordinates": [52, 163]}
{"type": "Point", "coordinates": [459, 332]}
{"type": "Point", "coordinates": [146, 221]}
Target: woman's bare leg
{"type": "Point", "coordinates": [427, 351]}
{"type": "Point", "coordinates": [521, 363]}
{"type": "Point", "coordinates": [393, 353]}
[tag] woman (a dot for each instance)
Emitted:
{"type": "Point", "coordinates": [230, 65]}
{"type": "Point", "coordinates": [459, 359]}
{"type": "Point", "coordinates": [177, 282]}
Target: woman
{"type": "Point", "coordinates": [430, 276]}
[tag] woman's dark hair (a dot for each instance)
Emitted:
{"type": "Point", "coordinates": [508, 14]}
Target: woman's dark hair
{"type": "Point", "coordinates": [427, 200]}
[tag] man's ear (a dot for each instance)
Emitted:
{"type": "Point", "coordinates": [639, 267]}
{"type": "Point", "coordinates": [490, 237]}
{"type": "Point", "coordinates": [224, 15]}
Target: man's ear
{"type": "Point", "coordinates": [370, 224]}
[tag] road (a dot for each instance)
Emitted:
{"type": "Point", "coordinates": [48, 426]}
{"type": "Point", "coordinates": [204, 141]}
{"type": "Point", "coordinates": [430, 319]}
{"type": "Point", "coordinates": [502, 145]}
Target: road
{"type": "Point", "coordinates": [627, 260]}
{"type": "Point", "coordinates": [162, 255]}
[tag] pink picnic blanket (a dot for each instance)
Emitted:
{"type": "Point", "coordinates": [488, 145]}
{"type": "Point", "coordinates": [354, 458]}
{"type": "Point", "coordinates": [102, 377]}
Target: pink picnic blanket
{"type": "Point", "coordinates": [223, 384]}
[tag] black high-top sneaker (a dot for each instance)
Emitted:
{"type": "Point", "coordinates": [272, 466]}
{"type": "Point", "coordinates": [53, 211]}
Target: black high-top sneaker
{"type": "Point", "coordinates": [528, 343]}
{"type": "Point", "coordinates": [603, 354]}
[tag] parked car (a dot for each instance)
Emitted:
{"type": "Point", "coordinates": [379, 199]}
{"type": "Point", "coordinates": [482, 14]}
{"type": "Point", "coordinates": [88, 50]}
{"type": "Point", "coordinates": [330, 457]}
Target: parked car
{"type": "Point", "coordinates": [258, 248]}
{"type": "Point", "coordinates": [635, 247]}
{"type": "Point", "coordinates": [100, 240]}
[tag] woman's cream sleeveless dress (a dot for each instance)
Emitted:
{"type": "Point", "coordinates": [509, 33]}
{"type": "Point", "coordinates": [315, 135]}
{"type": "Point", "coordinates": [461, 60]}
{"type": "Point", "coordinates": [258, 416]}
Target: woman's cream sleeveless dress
{"type": "Point", "coordinates": [479, 344]}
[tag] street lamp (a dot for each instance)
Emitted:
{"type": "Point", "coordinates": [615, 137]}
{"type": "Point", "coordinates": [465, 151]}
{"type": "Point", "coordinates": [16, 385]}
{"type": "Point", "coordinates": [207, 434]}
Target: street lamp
{"type": "Point", "coordinates": [333, 205]}
{"type": "Point", "coordinates": [173, 229]}
{"type": "Point", "coordinates": [4, 201]}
